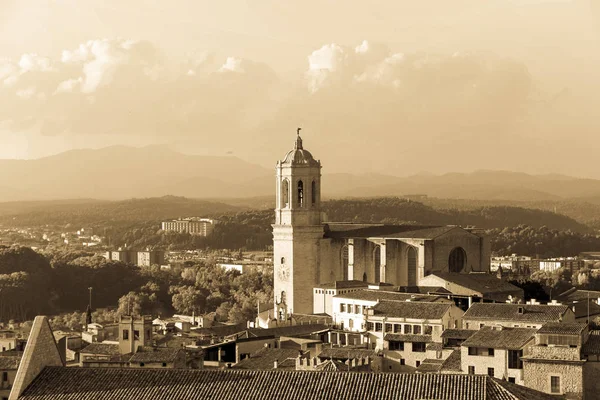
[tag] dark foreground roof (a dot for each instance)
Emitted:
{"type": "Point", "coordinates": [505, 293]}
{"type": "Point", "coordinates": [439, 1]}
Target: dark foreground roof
{"type": "Point", "coordinates": [60, 383]}
{"type": "Point", "coordinates": [535, 313]}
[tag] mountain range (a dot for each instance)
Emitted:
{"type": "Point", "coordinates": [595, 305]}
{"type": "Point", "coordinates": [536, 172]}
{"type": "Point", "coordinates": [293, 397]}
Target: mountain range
{"type": "Point", "coordinates": [121, 172]}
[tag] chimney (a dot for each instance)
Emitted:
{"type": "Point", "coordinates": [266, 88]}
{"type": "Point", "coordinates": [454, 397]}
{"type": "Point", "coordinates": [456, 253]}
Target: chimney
{"type": "Point", "coordinates": [275, 364]}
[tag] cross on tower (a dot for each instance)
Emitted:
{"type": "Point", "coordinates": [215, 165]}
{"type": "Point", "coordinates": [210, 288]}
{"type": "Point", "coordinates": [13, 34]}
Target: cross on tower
{"type": "Point", "coordinates": [298, 131]}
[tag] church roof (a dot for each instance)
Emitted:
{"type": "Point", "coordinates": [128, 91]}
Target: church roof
{"type": "Point", "coordinates": [348, 231]}
{"type": "Point", "coordinates": [299, 156]}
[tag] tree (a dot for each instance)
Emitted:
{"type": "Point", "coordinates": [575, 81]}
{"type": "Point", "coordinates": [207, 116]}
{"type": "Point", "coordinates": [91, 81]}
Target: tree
{"type": "Point", "coordinates": [187, 299]}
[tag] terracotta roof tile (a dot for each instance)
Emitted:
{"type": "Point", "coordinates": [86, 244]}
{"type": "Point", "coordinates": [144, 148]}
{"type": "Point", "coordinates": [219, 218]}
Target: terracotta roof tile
{"type": "Point", "coordinates": [453, 362]}
{"type": "Point", "coordinates": [510, 312]}
{"type": "Point", "coordinates": [374, 295]}
{"type": "Point", "coordinates": [562, 328]}
{"type": "Point", "coordinates": [101, 348]}
{"type": "Point", "coordinates": [59, 383]}
{"type": "Point", "coordinates": [457, 333]}
{"type": "Point", "coordinates": [264, 359]}
{"type": "Point", "coordinates": [500, 338]}
{"type": "Point", "coordinates": [413, 310]}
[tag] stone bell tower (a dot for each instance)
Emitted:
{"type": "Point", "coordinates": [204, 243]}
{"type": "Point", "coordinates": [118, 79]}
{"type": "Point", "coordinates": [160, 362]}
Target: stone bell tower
{"type": "Point", "coordinates": [297, 232]}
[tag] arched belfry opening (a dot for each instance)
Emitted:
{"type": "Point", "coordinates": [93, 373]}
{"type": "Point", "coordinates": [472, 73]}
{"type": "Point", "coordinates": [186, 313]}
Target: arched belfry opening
{"type": "Point", "coordinates": [411, 256]}
{"type": "Point", "coordinates": [345, 263]}
{"type": "Point", "coordinates": [457, 259]}
{"type": "Point", "coordinates": [285, 193]}
{"type": "Point", "coordinates": [313, 192]}
{"type": "Point", "coordinates": [377, 263]}
{"type": "Point", "coordinates": [300, 194]}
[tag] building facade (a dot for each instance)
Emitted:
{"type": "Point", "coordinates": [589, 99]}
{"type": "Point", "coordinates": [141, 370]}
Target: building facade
{"type": "Point", "coordinates": [309, 251]}
{"type": "Point", "coordinates": [194, 226]}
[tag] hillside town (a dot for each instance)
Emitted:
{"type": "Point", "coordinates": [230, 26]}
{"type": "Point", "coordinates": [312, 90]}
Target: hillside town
{"type": "Point", "coordinates": [425, 311]}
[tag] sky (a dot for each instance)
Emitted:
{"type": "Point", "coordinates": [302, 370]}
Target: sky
{"type": "Point", "coordinates": [387, 86]}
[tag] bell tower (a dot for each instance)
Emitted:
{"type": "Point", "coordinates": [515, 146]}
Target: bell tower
{"type": "Point", "coordinates": [297, 232]}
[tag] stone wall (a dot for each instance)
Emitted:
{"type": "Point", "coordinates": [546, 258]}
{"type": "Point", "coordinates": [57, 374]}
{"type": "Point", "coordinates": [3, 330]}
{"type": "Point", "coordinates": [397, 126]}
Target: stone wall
{"type": "Point", "coordinates": [537, 376]}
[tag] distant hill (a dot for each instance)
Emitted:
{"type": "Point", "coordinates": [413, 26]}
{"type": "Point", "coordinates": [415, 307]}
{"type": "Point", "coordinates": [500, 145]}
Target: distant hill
{"type": "Point", "coordinates": [120, 172]}
{"type": "Point", "coordinates": [392, 210]}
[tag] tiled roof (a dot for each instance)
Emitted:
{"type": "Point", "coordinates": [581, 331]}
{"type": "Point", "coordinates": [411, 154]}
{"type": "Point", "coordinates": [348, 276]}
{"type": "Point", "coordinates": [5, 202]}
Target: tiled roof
{"type": "Point", "coordinates": [457, 333]}
{"type": "Point", "coordinates": [430, 365]}
{"type": "Point", "coordinates": [59, 383]}
{"type": "Point", "coordinates": [434, 347]}
{"type": "Point", "coordinates": [345, 230]}
{"type": "Point", "coordinates": [155, 355]}
{"type": "Point", "coordinates": [574, 294]}
{"type": "Point", "coordinates": [592, 346]}
{"type": "Point", "coordinates": [9, 363]}
{"type": "Point", "coordinates": [510, 312]}
{"type": "Point", "coordinates": [500, 338]}
{"type": "Point", "coordinates": [424, 289]}
{"type": "Point", "coordinates": [101, 348]}
{"type": "Point", "coordinates": [292, 331]}
{"type": "Point", "coordinates": [220, 331]}
{"type": "Point", "coordinates": [562, 328]}
{"type": "Point", "coordinates": [453, 362]}
{"type": "Point", "coordinates": [264, 359]}
{"type": "Point", "coordinates": [413, 310]}
{"type": "Point", "coordinates": [374, 295]}
{"type": "Point", "coordinates": [397, 337]}
{"type": "Point", "coordinates": [343, 284]}
{"type": "Point", "coordinates": [344, 353]}
{"type": "Point", "coordinates": [586, 307]}
{"type": "Point", "coordinates": [479, 282]}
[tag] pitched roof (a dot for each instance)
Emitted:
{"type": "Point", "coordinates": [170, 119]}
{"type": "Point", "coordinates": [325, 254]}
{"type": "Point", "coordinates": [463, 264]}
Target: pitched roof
{"type": "Point", "coordinates": [434, 347]}
{"type": "Point", "coordinates": [292, 331]}
{"type": "Point", "coordinates": [264, 359]}
{"type": "Point", "coordinates": [453, 362]}
{"type": "Point", "coordinates": [500, 338]}
{"type": "Point", "coordinates": [585, 307]}
{"type": "Point", "coordinates": [575, 294]}
{"type": "Point", "coordinates": [457, 333]}
{"type": "Point", "coordinates": [510, 312]}
{"type": "Point", "coordinates": [409, 309]}
{"type": "Point", "coordinates": [430, 365]}
{"type": "Point", "coordinates": [592, 346]}
{"type": "Point", "coordinates": [396, 337]}
{"type": "Point", "coordinates": [155, 355]}
{"type": "Point", "coordinates": [59, 383]}
{"type": "Point", "coordinates": [101, 348]}
{"type": "Point", "coordinates": [479, 282]}
{"type": "Point", "coordinates": [343, 284]}
{"type": "Point", "coordinates": [374, 295]}
{"type": "Point", "coordinates": [344, 353]}
{"type": "Point", "coordinates": [9, 363]}
{"type": "Point", "coordinates": [562, 328]}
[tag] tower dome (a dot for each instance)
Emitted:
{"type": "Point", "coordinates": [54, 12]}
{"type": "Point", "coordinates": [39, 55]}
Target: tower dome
{"type": "Point", "coordinates": [298, 155]}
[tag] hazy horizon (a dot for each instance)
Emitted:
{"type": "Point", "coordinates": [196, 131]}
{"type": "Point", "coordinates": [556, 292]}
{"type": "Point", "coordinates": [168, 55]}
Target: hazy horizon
{"type": "Point", "coordinates": [393, 87]}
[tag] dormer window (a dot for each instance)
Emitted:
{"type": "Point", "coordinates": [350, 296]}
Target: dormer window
{"type": "Point", "coordinates": [520, 310]}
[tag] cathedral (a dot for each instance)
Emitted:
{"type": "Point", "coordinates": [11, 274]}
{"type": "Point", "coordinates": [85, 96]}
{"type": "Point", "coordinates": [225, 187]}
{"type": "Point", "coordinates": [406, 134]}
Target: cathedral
{"type": "Point", "coordinates": [310, 251]}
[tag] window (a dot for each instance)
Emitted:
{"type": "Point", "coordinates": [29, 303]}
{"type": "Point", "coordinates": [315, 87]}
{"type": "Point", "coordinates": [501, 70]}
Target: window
{"type": "Point", "coordinates": [397, 346]}
{"type": "Point", "coordinates": [428, 329]}
{"type": "Point", "coordinates": [514, 359]}
{"type": "Point", "coordinates": [141, 364]}
{"type": "Point", "coordinates": [402, 362]}
{"type": "Point", "coordinates": [418, 347]}
{"type": "Point", "coordinates": [417, 329]}
{"type": "Point", "coordinates": [369, 326]}
{"type": "Point", "coordinates": [471, 370]}
{"type": "Point", "coordinates": [491, 372]}
{"type": "Point", "coordinates": [388, 327]}
{"type": "Point", "coordinates": [397, 328]}
{"type": "Point", "coordinates": [283, 260]}
{"type": "Point", "coordinates": [555, 384]}
{"type": "Point", "coordinates": [350, 323]}
{"type": "Point", "coordinates": [490, 352]}
{"type": "Point", "coordinates": [285, 190]}
{"type": "Point", "coordinates": [358, 309]}
{"type": "Point", "coordinates": [4, 376]}
{"type": "Point", "coordinates": [418, 363]}
{"type": "Point", "coordinates": [300, 194]}
{"type": "Point", "coordinates": [472, 351]}
{"type": "Point", "coordinates": [136, 335]}
{"type": "Point", "coordinates": [342, 307]}
{"type": "Point", "coordinates": [351, 308]}
{"type": "Point", "coordinates": [125, 334]}
{"type": "Point", "coordinates": [407, 329]}
{"type": "Point", "coordinates": [313, 192]}
{"type": "Point", "coordinates": [481, 326]}
{"type": "Point", "coordinates": [378, 327]}
{"type": "Point", "coordinates": [512, 380]}
{"type": "Point", "coordinates": [164, 364]}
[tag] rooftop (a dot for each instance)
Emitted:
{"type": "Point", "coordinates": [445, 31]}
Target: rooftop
{"type": "Point", "coordinates": [9, 363]}
{"type": "Point", "coordinates": [397, 337]}
{"type": "Point", "coordinates": [453, 362]}
{"type": "Point", "coordinates": [59, 383]}
{"type": "Point", "coordinates": [344, 353]}
{"type": "Point", "coordinates": [155, 355]}
{"type": "Point", "coordinates": [478, 282]}
{"type": "Point", "coordinates": [343, 284]}
{"type": "Point", "coordinates": [413, 310]}
{"type": "Point", "coordinates": [375, 295]}
{"type": "Point", "coordinates": [347, 231]}
{"type": "Point", "coordinates": [101, 348]}
{"type": "Point", "coordinates": [561, 328]}
{"type": "Point", "coordinates": [516, 312]}
{"type": "Point", "coordinates": [500, 338]}
{"type": "Point", "coordinates": [264, 359]}
{"type": "Point", "coordinates": [592, 346]}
